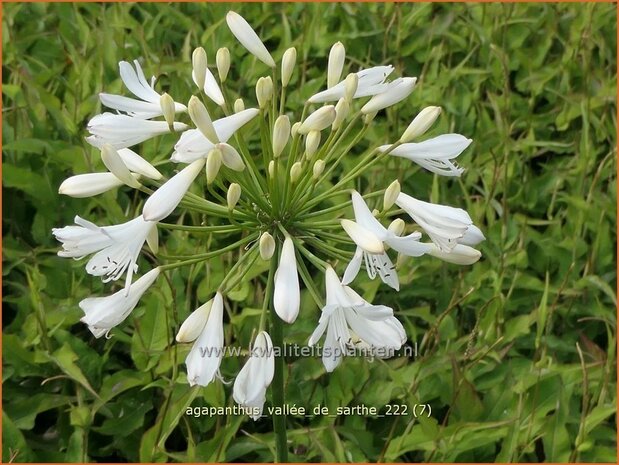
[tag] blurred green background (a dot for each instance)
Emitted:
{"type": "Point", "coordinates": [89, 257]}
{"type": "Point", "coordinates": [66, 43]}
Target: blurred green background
{"type": "Point", "coordinates": [516, 353]}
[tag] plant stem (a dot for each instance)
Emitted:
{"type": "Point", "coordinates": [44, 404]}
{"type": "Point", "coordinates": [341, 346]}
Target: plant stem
{"type": "Point", "coordinates": [279, 421]}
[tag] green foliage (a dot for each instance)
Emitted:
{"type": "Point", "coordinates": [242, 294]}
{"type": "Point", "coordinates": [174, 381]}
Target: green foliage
{"type": "Point", "coordinates": [516, 353]}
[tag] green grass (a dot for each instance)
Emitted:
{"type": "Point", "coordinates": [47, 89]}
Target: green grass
{"type": "Point", "coordinates": [516, 353]}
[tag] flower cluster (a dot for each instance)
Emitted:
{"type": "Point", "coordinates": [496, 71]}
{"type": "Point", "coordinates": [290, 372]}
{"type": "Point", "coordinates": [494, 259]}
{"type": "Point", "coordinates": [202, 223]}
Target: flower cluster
{"type": "Point", "coordinates": [275, 203]}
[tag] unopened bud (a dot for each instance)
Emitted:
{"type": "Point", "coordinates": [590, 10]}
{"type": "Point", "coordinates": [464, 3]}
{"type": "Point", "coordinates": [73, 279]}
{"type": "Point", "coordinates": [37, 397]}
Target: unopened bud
{"type": "Point", "coordinates": [239, 106]}
{"type": "Point", "coordinates": [319, 120]}
{"type": "Point", "coordinates": [295, 129]}
{"type": "Point", "coordinates": [115, 164]}
{"type": "Point", "coordinates": [295, 171]}
{"type": "Point", "coordinates": [421, 123]}
{"type": "Point", "coordinates": [341, 112]}
{"type": "Point", "coordinates": [391, 194]}
{"type": "Point", "coordinates": [233, 196]}
{"type": "Point", "coordinates": [271, 168]}
{"type": "Point", "coordinates": [397, 226]}
{"type": "Point", "coordinates": [213, 164]}
{"type": "Point", "coordinates": [198, 60]}
{"type": "Point", "coordinates": [312, 140]}
{"type": "Point", "coordinates": [289, 61]}
{"type": "Point", "coordinates": [281, 134]}
{"type": "Point", "coordinates": [199, 115]}
{"type": "Point", "coordinates": [336, 64]}
{"type": "Point", "coordinates": [350, 86]}
{"type": "Point", "coordinates": [319, 167]}
{"type": "Point", "coordinates": [223, 63]}
{"type": "Point", "coordinates": [264, 91]}
{"type": "Point", "coordinates": [267, 246]}
{"type": "Point", "coordinates": [168, 109]}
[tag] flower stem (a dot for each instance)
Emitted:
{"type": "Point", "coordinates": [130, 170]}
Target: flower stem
{"type": "Point", "coordinates": [279, 421]}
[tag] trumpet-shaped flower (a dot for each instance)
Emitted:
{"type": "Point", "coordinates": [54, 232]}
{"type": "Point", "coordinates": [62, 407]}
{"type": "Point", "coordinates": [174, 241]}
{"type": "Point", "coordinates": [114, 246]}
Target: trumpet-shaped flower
{"type": "Point", "coordinates": [446, 226]}
{"type": "Point", "coordinates": [349, 320]}
{"type": "Point", "coordinates": [435, 155]}
{"type": "Point", "coordinates": [287, 294]}
{"type": "Point", "coordinates": [205, 327]}
{"type": "Point", "coordinates": [165, 199]}
{"type": "Point", "coordinates": [193, 145]}
{"type": "Point", "coordinates": [116, 248]}
{"type": "Point", "coordinates": [104, 313]}
{"type": "Point", "coordinates": [371, 81]}
{"type": "Point", "coordinates": [148, 103]}
{"type": "Point", "coordinates": [379, 263]}
{"type": "Point", "coordinates": [252, 381]}
{"type": "Point", "coordinates": [121, 131]}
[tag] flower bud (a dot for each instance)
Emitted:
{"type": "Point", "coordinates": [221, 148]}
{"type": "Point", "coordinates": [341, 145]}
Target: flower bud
{"type": "Point", "coordinates": [192, 327]}
{"type": "Point", "coordinates": [421, 123]}
{"type": "Point", "coordinates": [341, 112]}
{"type": "Point", "coordinates": [391, 194]}
{"type": "Point", "coordinates": [336, 64]}
{"type": "Point", "coordinates": [223, 63]}
{"type": "Point", "coordinates": [397, 226]}
{"type": "Point", "coordinates": [319, 120]}
{"type": "Point", "coordinates": [350, 86]}
{"type": "Point", "coordinates": [267, 246]}
{"type": "Point", "coordinates": [295, 171]}
{"type": "Point", "coordinates": [312, 140]}
{"type": "Point", "coordinates": [289, 61]}
{"type": "Point", "coordinates": [116, 166]}
{"type": "Point", "coordinates": [460, 255]}
{"type": "Point", "coordinates": [233, 196]}
{"type": "Point", "coordinates": [396, 91]}
{"type": "Point", "coordinates": [199, 115]}
{"type": "Point", "coordinates": [264, 91]}
{"type": "Point", "coordinates": [213, 164]}
{"type": "Point", "coordinates": [363, 237]}
{"type": "Point", "coordinates": [281, 134]}
{"type": "Point", "coordinates": [239, 106]}
{"type": "Point", "coordinates": [319, 167]}
{"type": "Point", "coordinates": [248, 38]}
{"type": "Point", "coordinates": [271, 168]}
{"type": "Point", "coordinates": [198, 60]}
{"type": "Point", "coordinates": [168, 109]}
{"type": "Point", "coordinates": [295, 129]}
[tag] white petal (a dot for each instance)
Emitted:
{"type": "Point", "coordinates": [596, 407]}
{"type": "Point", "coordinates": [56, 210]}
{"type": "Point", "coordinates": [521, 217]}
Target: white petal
{"type": "Point", "coordinates": [353, 267]}
{"type": "Point", "coordinates": [139, 165]}
{"type": "Point", "coordinates": [136, 83]}
{"type": "Point", "coordinates": [194, 324]}
{"type": "Point", "coordinates": [363, 237]}
{"type": "Point", "coordinates": [116, 165]}
{"type": "Point", "coordinates": [211, 88]}
{"type": "Point", "coordinates": [397, 91]}
{"type": "Point", "coordinates": [459, 255]}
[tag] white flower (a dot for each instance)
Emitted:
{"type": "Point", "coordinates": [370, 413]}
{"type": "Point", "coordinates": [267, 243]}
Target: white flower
{"type": "Point", "coordinates": [116, 248]}
{"type": "Point", "coordinates": [252, 381]}
{"type": "Point", "coordinates": [337, 55]}
{"type": "Point", "coordinates": [371, 81]}
{"type": "Point", "coordinates": [350, 320]}
{"type": "Point", "coordinates": [165, 199]}
{"type": "Point", "coordinates": [148, 106]}
{"type": "Point", "coordinates": [103, 313]}
{"type": "Point", "coordinates": [434, 154]}
{"type": "Point", "coordinates": [248, 38]}
{"type": "Point", "coordinates": [204, 326]}
{"type": "Point", "coordinates": [379, 263]}
{"type": "Point", "coordinates": [193, 145]}
{"type": "Point", "coordinates": [287, 294]}
{"type": "Point", "coordinates": [395, 92]}
{"type": "Point", "coordinates": [446, 226]}
{"type": "Point", "coordinates": [121, 131]}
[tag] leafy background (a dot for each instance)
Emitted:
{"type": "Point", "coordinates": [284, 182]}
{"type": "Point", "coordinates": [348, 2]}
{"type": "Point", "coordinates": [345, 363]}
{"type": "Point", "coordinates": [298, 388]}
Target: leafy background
{"type": "Point", "coordinates": [517, 353]}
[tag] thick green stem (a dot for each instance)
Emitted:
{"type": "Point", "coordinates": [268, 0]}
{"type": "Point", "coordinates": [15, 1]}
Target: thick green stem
{"type": "Point", "coordinates": [279, 421]}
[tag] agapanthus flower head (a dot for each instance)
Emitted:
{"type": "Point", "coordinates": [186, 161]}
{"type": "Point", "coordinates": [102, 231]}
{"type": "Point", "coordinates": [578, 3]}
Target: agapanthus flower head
{"type": "Point", "coordinates": [271, 182]}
